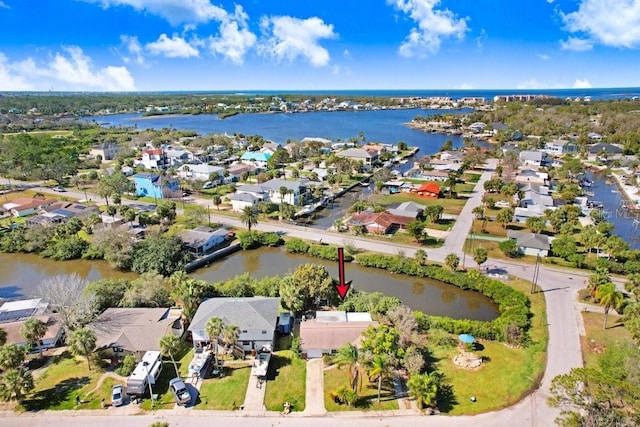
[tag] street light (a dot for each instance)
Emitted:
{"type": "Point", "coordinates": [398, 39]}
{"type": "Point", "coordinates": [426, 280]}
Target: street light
{"type": "Point", "coordinates": [536, 272]}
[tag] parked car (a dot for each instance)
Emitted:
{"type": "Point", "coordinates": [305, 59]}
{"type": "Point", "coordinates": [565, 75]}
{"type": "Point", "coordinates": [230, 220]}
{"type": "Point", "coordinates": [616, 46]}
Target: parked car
{"type": "Point", "coordinates": [59, 189]}
{"type": "Point", "coordinates": [179, 391]}
{"type": "Point", "coordinates": [117, 395]}
{"type": "Point", "coordinates": [208, 185]}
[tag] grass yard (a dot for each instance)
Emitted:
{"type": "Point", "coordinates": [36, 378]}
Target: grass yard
{"type": "Point", "coordinates": [506, 375]}
{"type": "Point", "coordinates": [367, 394]}
{"type": "Point", "coordinates": [286, 382]}
{"type": "Point", "coordinates": [451, 206]}
{"type": "Point", "coordinates": [598, 339]}
{"type": "Point", "coordinates": [471, 177]}
{"type": "Point", "coordinates": [226, 393]}
{"type": "Point", "coordinates": [161, 388]}
{"type": "Point", "coordinates": [66, 378]}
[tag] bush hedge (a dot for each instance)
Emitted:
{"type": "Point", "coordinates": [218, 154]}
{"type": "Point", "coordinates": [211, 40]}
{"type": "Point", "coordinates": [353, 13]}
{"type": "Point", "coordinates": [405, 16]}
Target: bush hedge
{"type": "Point", "coordinates": [329, 252]}
{"type": "Point", "coordinates": [513, 305]}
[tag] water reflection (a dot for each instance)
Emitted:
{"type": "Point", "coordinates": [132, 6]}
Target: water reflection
{"type": "Point", "coordinates": [21, 274]}
{"type": "Point", "coordinates": [426, 295]}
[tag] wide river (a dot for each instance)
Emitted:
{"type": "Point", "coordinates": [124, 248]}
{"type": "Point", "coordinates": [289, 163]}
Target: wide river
{"type": "Point", "coordinates": [22, 273]}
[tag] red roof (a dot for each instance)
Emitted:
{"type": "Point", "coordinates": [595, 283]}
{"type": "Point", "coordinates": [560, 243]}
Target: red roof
{"type": "Point", "coordinates": [430, 187]}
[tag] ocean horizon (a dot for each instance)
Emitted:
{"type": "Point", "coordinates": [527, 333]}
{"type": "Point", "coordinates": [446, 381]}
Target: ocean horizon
{"type": "Point", "coordinates": [489, 94]}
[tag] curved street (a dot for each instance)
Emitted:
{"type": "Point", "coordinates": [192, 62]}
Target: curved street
{"type": "Point", "coordinates": [560, 288]}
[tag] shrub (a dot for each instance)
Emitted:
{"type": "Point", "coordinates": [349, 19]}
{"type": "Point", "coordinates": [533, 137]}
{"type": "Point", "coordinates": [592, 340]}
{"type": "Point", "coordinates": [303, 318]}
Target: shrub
{"type": "Point", "coordinates": [127, 366]}
{"type": "Point", "coordinates": [296, 246]}
{"type": "Point", "coordinates": [270, 239]}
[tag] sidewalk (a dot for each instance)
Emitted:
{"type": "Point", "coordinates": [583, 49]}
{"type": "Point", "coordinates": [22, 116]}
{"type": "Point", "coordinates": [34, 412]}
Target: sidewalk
{"type": "Point", "coordinates": [254, 399]}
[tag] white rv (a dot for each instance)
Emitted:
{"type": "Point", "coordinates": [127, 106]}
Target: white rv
{"type": "Point", "coordinates": [145, 373]}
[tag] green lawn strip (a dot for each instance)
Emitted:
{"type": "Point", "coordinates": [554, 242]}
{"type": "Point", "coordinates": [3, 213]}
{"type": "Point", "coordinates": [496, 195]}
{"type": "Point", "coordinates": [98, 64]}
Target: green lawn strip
{"type": "Point", "coordinates": [226, 393]}
{"type": "Point", "coordinates": [597, 338]}
{"type": "Point", "coordinates": [451, 206]}
{"type": "Point", "coordinates": [367, 392]}
{"type": "Point", "coordinates": [471, 177]}
{"type": "Point", "coordinates": [183, 362]}
{"type": "Point", "coordinates": [62, 381]}
{"type": "Point", "coordinates": [286, 382]}
{"type": "Point", "coordinates": [507, 374]}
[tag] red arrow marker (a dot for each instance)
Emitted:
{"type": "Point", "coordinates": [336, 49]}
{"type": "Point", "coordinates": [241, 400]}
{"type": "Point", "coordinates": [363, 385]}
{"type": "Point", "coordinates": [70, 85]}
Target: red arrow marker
{"type": "Point", "coordinates": [342, 287]}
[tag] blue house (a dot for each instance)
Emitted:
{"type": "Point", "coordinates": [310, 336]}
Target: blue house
{"type": "Point", "coordinates": [157, 186]}
{"type": "Point", "coordinates": [256, 158]}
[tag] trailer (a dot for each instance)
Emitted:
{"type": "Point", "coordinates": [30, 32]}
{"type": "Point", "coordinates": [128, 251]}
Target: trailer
{"type": "Point", "coordinates": [145, 373]}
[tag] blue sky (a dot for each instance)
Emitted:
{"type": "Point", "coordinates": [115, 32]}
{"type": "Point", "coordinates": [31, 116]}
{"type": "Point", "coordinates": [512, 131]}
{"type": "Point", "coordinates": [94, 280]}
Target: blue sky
{"type": "Point", "coordinates": [155, 45]}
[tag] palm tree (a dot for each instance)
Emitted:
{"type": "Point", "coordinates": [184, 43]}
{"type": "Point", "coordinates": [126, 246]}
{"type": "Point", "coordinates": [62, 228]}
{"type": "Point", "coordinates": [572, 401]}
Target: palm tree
{"type": "Point", "coordinates": [379, 367]}
{"type": "Point", "coordinates": [480, 256]}
{"type": "Point", "coordinates": [213, 329]}
{"type": "Point", "coordinates": [83, 342]}
{"type": "Point", "coordinates": [421, 256]}
{"type": "Point", "coordinates": [230, 336]}
{"type": "Point", "coordinates": [451, 182]}
{"type": "Point", "coordinates": [170, 345]}
{"type": "Point", "coordinates": [33, 330]}
{"type": "Point", "coordinates": [452, 261]}
{"type": "Point", "coordinates": [505, 216]}
{"type": "Point", "coordinates": [349, 355]}
{"type": "Point", "coordinates": [249, 217]}
{"type": "Point", "coordinates": [632, 285]}
{"type": "Point", "coordinates": [424, 388]}
{"type": "Point", "coordinates": [15, 384]}
{"type": "Point", "coordinates": [610, 297]}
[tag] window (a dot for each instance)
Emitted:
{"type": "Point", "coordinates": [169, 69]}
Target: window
{"type": "Point", "coordinates": [244, 331]}
{"type": "Point", "coordinates": [264, 332]}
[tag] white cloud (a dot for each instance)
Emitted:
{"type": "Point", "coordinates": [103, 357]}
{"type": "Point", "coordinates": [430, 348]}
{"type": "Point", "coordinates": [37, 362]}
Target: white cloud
{"type": "Point", "coordinates": [465, 86]}
{"type": "Point", "coordinates": [174, 47]}
{"type": "Point", "coordinates": [611, 23]}
{"type": "Point", "coordinates": [531, 84]}
{"type": "Point", "coordinates": [134, 49]}
{"type": "Point", "coordinates": [174, 11]}
{"type": "Point", "coordinates": [70, 70]}
{"type": "Point", "coordinates": [433, 25]}
{"type": "Point", "coordinates": [544, 56]}
{"type": "Point", "coordinates": [4, 5]}
{"type": "Point", "coordinates": [581, 84]}
{"type": "Point", "coordinates": [290, 38]}
{"type": "Point", "coordinates": [577, 44]}
{"type": "Point", "coordinates": [235, 39]}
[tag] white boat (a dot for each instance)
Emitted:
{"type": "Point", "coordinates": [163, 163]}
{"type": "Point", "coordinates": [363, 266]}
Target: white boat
{"type": "Point", "coordinates": [260, 365]}
{"type": "Point", "coordinates": [200, 359]}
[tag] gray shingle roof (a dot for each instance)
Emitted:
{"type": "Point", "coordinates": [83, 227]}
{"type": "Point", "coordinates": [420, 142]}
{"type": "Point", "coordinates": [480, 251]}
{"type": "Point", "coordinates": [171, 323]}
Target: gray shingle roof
{"type": "Point", "coordinates": [530, 240]}
{"type": "Point", "coordinates": [252, 313]}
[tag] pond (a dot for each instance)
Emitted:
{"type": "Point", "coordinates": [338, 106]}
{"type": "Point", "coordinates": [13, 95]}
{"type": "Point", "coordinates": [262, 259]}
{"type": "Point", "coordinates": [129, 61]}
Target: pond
{"type": "Point", "coordinates": [22, 273]}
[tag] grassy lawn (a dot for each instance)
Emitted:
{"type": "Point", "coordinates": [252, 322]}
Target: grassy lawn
{"type": "Point", "coordinates": [402, 238]}
{"type": "Point", "coordinates": [226, 393]}
{"type": "Point", "coordinates": [598, 339]}
{"type": "Point", "coordinates": [506, 375]}
{"type": "Point", "coordinates": [367, 393]}
{"type": "Point", "coordinates": [286, 382]}
{"type": "Point", "coordinates": [161, 388]}
{"type": "Point", "coordinates": [442, 224]}
{"type": "Point", "coordinates": [66, 378]}
{"type": "Point", "coordinates": [451, 206]}
{"type": "Point", "coordinates": [471, 177]}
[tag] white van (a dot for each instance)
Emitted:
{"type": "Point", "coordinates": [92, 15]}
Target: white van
{"type": "Point", "coordinates": [145, 373]}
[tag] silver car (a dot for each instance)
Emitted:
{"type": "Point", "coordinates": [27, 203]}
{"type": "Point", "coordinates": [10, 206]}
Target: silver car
{"type": "Point", "coordinates": [179, 391]}
{"type": "Point", "coordinates": [117, 395]}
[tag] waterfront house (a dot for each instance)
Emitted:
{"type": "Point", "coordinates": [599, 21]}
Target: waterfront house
{"type": "Point", "coordinates": [270, 191]}
{"type": "Point", "coordinates": [25, 206]}
{"type": "Point", "coordinates": [560, 148]}
{"type": "Point", "coordinates": [52, 337]}
{"type": "Point", "coordinates": [201, 240]}
{"type": "Point", "coordinates": [107, 151]}
{"type": "Point", "coordinates": [430, 190]}
{"type": "Point", "coordinates": [22, 309]}
{"type": "Point", "coordinates": [235, 171]}
{"type": "Point", "coordinates": [359, 154]}
{"type": "Point", "coordinates": [177, 156]}
{"type": "Point", "coordinates": [255, 158]}
{"type": "Point", "coordinates": [531, 243]}
{"type": "Point", "coordinates": [256, 317]}
{"type": "Point", "coordinates": [156, 186]}
{"type": "Point", "coordinates": [331, 330]}
{"type": "Point", "coordinates": [532, 158]}
{"type": "Point", "coordinates": [135, 330]}
{"type": "Point", "coordinates": [532, 176]}
{"type": "Point", "coordinates": [603, 149]}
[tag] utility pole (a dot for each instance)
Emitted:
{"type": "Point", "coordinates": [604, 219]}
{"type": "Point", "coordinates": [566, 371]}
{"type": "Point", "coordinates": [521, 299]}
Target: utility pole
{"type": "Point", "coordinates": [536, 272]}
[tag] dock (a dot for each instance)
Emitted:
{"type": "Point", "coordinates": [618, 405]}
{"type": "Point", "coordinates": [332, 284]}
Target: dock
{"type": "Point", "coordinates": [213, 256]}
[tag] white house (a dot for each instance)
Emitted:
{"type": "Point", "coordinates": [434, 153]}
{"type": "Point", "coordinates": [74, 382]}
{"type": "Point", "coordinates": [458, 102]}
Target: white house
{"type": "Point", "coordinates": [533, 158]}
{"type": "Point", "coordinates": [531, 243]}
{"type": "Point", "coordinates": [239, 201]}
{"type": "Point", "coordinates": [270, 191]}
{"type": "Point", "coordinates": [256, 317]}
{"type": "Point", "coordinates": [202, 239]}
{"type": "Point", "coordinates": [201, 172]}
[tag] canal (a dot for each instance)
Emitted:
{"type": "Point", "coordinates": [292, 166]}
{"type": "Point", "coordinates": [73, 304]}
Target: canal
{"type": "Point", "coordinates": [22, 273]}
